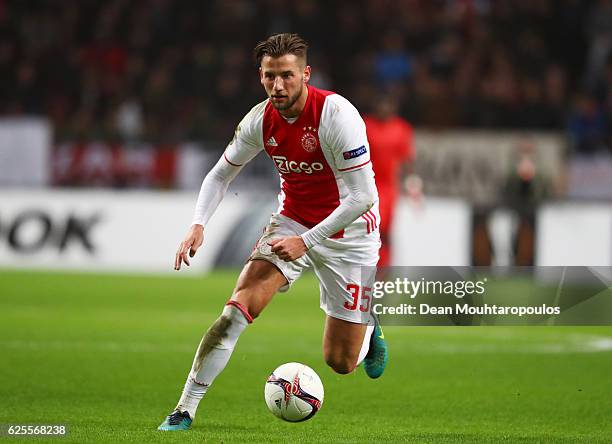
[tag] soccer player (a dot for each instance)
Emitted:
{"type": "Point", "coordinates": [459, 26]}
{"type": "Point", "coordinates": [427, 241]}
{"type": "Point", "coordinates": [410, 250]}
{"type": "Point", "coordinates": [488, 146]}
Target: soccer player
{"type": "Point", "coordinates": [327, 219]}
{"type": "Point", "coordinates": [392, 156]}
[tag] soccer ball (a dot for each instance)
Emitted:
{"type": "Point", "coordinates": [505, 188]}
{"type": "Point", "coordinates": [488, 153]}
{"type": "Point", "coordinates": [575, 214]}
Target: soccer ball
{"type": "Point", "coordinates": [294, 392]}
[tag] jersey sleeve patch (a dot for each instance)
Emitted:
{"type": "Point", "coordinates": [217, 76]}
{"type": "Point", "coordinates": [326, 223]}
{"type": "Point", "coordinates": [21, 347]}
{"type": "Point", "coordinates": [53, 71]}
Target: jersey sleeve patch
{"type": "Point", "coordinates": [352, 154]}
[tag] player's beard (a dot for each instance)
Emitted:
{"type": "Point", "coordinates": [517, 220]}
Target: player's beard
{"type": "Point", "coordinates": [290, 100]}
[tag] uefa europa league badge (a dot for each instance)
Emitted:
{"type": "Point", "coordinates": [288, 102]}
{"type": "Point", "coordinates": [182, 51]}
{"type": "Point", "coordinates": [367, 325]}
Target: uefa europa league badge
{"type": "Point", "coordinates": [309, 140]}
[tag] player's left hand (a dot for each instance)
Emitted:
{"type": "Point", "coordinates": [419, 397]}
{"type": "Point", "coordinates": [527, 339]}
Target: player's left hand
{"type": "Point", "coordinates": [288, 248]}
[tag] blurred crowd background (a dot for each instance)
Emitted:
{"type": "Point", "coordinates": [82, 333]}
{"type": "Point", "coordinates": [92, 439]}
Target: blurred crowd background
{"type": "Point", "coordinates": [165, 71]}
{"type": "Point", "coordinates": [506, 155]}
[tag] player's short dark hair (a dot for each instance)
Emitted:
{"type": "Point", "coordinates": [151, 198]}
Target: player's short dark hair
{"type": "Point", "coordinates": [278, 45]}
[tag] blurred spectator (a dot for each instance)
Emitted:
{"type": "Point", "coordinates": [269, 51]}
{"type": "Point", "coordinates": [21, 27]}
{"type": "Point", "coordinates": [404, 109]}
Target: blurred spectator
{"type": "Point", "coordinates": [129, 120]}
{"type": "Point", "coordinates": [525, 189]}
{"type": "Point", "coordinates": [587, 124]}
{"type": "Point", "coordinates": [393, 64]}
{"type": "Point", "coordinates": [392, 155]}
{"type": "Point", "coordinates": [599, 31]}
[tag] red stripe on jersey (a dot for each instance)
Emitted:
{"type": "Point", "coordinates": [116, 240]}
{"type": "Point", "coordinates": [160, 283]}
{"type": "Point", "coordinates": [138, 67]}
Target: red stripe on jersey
{"type": "Point", "coordinates": [374, 225]}
{"type": "Point", "coordinates": [373, 216]}
{"type": "Point", "coordinates": [228, 161]}
{"type": "Point", "coordinates": [353, 167]}
{"type": "Point", "coordinates": [372, 220]}
{"type": "Point", "coordinates": [368, 229]}
{"type": "Point", "coordinates": [308, 182]}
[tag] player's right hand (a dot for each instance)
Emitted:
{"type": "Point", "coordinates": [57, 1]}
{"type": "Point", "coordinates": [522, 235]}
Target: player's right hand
{"type": "Point", "coordinates": [190, 245]}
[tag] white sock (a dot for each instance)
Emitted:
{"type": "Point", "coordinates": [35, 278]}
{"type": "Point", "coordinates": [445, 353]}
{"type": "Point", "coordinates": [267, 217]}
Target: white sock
{"type": "Point", "coordinates": [366, 344]}
{"type": "Point", "coordinates": [212, 355]}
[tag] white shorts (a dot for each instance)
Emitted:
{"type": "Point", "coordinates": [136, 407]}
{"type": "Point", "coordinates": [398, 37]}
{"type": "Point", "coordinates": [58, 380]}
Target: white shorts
{"type": "Point", "coordinates": [345, 286]}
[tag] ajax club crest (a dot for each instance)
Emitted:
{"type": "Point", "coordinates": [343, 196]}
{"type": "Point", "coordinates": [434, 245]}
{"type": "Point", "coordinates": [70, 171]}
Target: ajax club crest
{"type": "Point", "coordinates": [309, 139]}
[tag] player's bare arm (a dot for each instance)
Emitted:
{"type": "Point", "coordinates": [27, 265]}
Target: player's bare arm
{"type": "Point", "coordinates": [188, 248]}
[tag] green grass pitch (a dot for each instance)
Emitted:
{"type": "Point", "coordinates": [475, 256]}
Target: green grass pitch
{"type": "Point", "coordinates": [108, 355]}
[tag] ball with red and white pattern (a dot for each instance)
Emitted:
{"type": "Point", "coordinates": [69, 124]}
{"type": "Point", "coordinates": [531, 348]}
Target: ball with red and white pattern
{"type": "Point", "coordinates": [294, 392]}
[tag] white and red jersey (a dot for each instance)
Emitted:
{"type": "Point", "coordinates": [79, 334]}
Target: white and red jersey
{"type": "Point", "coordinates": [310, 153]}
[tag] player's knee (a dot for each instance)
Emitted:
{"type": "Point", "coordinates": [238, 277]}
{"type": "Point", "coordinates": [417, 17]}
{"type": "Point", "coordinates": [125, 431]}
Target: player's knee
{"type": "Point", "coordinates": [341, 364]}
{"type": "Point", "coordinates": [244, 295]}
